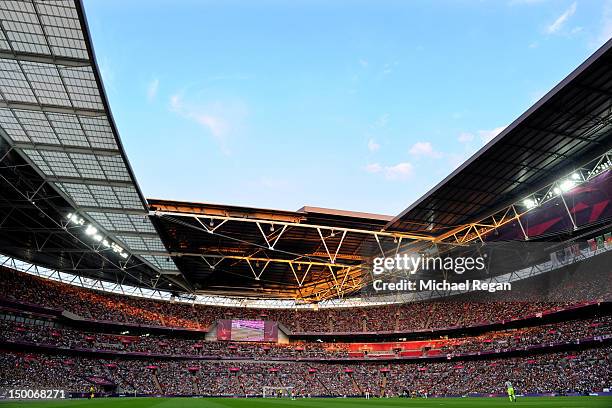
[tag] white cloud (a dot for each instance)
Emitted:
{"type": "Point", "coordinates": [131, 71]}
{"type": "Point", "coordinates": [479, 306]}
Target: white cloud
{"type": "Point", "coordinates": [152, 89]}
{"type": "Point", "coordinates": [465, 137]}
{"type": "Point", "coordinates": [400, 171]}
{"type": "Point", "coordinates": [220, 119]}
{"type": "Point", "coordinates": [372, 145]}
{"type": "Point", "coordinates": [488, 135]}
{"type": "Point", "coordinates": [558, 24]}
{"type": "Point", "coordinates": [424, 149]}
{"type": "Point", "coordinates": [576, 30]}
{"type": "Point", "coordinates": [373, 168]}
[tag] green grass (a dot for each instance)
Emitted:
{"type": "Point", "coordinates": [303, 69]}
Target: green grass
{"type": "Point", "coordinates": [558, 402]}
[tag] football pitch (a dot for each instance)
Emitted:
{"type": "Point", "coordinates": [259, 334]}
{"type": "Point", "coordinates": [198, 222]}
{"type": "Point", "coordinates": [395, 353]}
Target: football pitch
{"type": "Point", "coordinates": [558, 402]}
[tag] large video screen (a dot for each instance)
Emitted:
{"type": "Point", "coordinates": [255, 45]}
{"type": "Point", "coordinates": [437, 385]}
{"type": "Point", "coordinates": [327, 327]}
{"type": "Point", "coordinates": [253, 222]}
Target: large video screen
{"type": "Point", "coordinates": [248, 330]}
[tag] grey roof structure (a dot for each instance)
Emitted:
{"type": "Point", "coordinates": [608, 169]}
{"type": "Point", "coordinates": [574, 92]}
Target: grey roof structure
{"type": "Point", "coordinates": [54, 112]}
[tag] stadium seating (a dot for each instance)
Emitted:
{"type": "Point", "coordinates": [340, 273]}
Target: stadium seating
{"type": "Point", "coordinates": [39, 344]}
{"type": "Point", "coordinates": [583, 371]}
{"type": "Point", "coordinates": [409, 317]}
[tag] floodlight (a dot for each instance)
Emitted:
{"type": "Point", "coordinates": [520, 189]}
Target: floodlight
{"type": "Point", "coordinates": [91, 230]}
{"type": "Point", "coordinates": [567, 185]}
{"type": "Point", "coordinates": [529, 203]}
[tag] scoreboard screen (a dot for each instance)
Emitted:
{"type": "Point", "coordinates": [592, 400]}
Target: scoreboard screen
{"type": "Point", "coordinates": [247, 330]}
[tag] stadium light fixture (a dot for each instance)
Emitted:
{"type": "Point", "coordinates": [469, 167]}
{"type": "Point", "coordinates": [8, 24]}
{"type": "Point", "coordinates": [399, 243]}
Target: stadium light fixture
{"type": "Point", "coordinates": [93, 232]}
{"type": "Point", "coordinates": [75, 219]}
{"type": "Point", "coordinates": [567, 185]}
{"type": "Point", "coordinates": [569, 182]}
{"type": "Point", "coordinates": [530, 203]}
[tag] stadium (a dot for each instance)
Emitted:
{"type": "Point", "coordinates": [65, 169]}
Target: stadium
{"type": "Point", "coordinates": [111, 298]}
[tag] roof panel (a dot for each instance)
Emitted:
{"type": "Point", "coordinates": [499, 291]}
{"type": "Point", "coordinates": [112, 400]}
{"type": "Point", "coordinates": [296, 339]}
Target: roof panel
{"type": "Point", "coordinates": [9, 123]}
{"type": "Point", "coordinates": [114, 168]}
{"type": "Point", "coordinates": [22, 27]}
{"type": "Point", "coordinates": [13, 83]}
{"type": "Point", "coordinates": [63, 29]}
{"type": "Point", "coordinates": [4, 45]}
{"type": "Point", "coordinates": [68, 129]}
{"type": "Point", "coordinates": [46, 83]}
{"type": "Point", "coordinates": [37, 127]}
{"type": "Point", "coordinates": [125, 223]}
{"type": "Point", "coordinates": [162, 262]}
{"type": "Point", "coordinates": [82, 87]}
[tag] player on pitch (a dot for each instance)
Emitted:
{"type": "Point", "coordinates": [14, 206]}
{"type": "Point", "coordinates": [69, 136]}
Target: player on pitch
{"type": "Point", "coordinates": [510, 390]}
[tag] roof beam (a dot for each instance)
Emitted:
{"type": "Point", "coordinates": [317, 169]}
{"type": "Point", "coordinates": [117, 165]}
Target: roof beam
{"type": "Point", "coordinates": [52, 108]}
{"type": "Point", "coordinates": [44, 58]}
{"type": "Point", "coordinates": [89, 181]}
{"type": "Point", "coordinates": [68, 149]}
{"type": "Point", "coordinates": [137, 234]}
{"type": "Point", "coordinates": [131, 211]}
{"type": "Point", "coordinates": [294, 225]}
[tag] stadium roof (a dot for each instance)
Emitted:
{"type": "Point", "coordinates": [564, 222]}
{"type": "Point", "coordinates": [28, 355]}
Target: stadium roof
{"type": "Point", "coordinates": [70, 200]}
{"type": "Point", "coordinates": [55, 115]}
{"type": "Point", "coordinates": [312, 252]}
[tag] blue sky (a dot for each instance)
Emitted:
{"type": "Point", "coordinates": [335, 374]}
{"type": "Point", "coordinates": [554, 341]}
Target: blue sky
{"type": "Point", "coordinates": [357, 105]}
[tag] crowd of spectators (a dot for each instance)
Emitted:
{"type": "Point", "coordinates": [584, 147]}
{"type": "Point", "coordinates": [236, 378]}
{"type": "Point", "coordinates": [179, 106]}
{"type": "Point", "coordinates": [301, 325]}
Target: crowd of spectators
{"type": "Point", "coordinates": [578, 371]}
{"type": "Point", "coordinates": [406, 317]}
{"type": "Point", "coordinates": [160, 344]}
{"type": "Point", "coordinates": [48, 333]}
{"type": "Point", "coordinates": [560, 372]}
{"type": "Point", "coordinates": [562, 332]}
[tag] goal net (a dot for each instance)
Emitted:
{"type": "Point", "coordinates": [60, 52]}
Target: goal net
{"type": "Point", "coordinates": [277, 392]}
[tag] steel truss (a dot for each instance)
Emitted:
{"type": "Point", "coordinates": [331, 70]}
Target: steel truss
{"type": "Point", "coordinates": [213, 300]}
{"type": "Point", "coordinates": [341, 273]}
{"type": "Point", "coordinates": [513, 212]}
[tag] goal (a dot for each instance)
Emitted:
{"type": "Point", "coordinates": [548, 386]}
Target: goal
{"type": "Point", "coordinates": [277, 392]}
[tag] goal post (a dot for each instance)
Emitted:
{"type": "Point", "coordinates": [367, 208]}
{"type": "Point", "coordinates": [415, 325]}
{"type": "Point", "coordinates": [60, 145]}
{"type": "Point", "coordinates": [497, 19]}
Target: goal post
{"type": "Point", "coordinates": [277, 392]}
